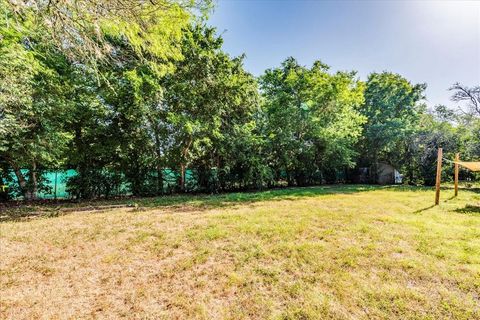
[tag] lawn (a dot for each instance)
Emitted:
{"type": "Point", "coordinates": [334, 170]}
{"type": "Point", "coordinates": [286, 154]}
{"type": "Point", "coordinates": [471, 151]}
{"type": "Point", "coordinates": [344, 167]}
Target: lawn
{"type": "Point", "coordinates": [338, 252]}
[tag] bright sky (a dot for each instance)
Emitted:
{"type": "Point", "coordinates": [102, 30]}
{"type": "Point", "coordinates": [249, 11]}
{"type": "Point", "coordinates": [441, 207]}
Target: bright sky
{"type": "Point", "coordinates": [437, 42]}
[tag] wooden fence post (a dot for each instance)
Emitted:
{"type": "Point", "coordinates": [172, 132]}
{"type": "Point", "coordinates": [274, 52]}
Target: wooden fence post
{"type": "Point", "coordinates": [457, 158]}
{"type": "Point", "coordinates": [439, 176]}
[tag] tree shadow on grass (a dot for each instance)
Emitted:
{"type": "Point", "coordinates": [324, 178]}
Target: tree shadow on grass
{"type": "Point", "coordinates": [469, 209]}
{"type": "Point", "coordinates": [276, 194]}
{"type": "Point", "coordinates": [181, 201]}
{"type": "Point", "coordinates": [424, 209]}
{"type": "Point", "coordinates": [229, 199]}
{"type": "Point", "coordinates": [184, 202]}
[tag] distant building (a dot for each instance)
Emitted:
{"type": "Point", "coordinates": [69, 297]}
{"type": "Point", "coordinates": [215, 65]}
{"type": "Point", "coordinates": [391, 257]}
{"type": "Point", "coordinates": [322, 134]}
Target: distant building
{"type": "Point", "coordinates": [387, 174]}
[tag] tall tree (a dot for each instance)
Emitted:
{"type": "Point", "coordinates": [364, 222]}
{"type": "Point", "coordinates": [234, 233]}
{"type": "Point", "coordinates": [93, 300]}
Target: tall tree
{"type": "Point", "coordinates": [32, 111]}
{"type": "Point", "coordinates": [207, 99]}
{"type": "Point", "coordinates": [392, 108]}
{"type": "Point", "coordinates": [67, 69]}
{"type": "Point", "coordinates": [313, 119]}
{"type": "Point", "coordinates": [469, 96]}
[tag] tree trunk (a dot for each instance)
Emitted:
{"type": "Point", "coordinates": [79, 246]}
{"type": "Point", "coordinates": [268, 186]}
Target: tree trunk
{"type": "Point", "coordinates": [22, 183]}
{"type": "Point", "coordinates": [159, 166]}
{"type": "Point", "coordinates": [374, 173]}
{"type": "Point", "coordinates": [159, 180]}
{"type": "Point", "coordinates": [34, 180]}
{"type": "Point", "coordinates": [182, 177]}
{"type": "Point", "coordinates": [183, 165]}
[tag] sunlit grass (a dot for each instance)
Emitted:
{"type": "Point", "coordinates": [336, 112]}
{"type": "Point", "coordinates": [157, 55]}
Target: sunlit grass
{"type": "Point", "coordinates": [314, 253]}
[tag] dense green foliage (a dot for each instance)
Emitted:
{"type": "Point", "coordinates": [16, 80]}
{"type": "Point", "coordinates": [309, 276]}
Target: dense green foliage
{"type": "Point", "coordinates": [312, 120]}
{"type": "Point", "coordinates": [393, 110]}
{"type": "Point", "coordinates": [125, 100]}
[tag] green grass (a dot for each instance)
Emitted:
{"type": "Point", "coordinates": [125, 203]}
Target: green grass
{"type": "Point", "coordinates": [338, 252]}
{"type": "Point", "coordinates": [183, 202]}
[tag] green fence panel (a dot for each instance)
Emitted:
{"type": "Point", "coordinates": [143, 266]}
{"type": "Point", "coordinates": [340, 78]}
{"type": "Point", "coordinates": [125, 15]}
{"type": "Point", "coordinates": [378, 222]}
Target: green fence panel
{"type": "Point", "coordinates": [56, 183]}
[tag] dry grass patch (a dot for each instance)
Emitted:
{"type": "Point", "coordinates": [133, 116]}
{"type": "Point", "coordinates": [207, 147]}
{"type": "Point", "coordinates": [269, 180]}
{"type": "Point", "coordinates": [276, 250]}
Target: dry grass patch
{"type": "Point", "coordinates": [312, 253]}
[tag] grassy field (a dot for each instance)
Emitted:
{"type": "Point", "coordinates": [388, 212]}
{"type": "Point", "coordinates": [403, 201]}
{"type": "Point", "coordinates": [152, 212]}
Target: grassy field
{"type": "Point", "coordinates": [341, 252]}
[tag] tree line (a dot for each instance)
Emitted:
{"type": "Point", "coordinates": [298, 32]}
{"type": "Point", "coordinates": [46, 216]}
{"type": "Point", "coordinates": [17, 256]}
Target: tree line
{"type": "Point", "coordinates": [121, 91]}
